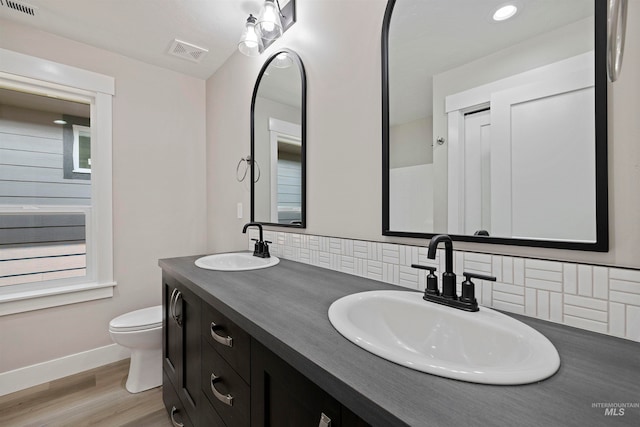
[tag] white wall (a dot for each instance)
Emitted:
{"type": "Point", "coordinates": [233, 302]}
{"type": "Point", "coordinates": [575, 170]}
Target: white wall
{"type": "Point", "coordinates": [158, 194]}
{"type": "Point", "coordinates": [410, 143]}
{"type": "Point", "coordinates": [344, 134]}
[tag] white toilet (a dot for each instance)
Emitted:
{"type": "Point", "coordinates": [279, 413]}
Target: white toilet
{"type": "Point", "coordinates": [141, 332]}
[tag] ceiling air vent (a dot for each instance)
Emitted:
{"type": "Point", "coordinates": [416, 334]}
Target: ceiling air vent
{"type": "Point", "coordinates": [20, 7]}
{"type": "Point", "coordinates": [187, 51]}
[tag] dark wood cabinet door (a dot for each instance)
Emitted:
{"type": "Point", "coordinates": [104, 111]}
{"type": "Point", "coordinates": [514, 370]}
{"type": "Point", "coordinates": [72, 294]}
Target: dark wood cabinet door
{"type": "Point", "coordinates": [172, 334]}
{"type": "Point", "coordinates": [181, 343]}
{"type": "Point", "coordinates": [282, 397]}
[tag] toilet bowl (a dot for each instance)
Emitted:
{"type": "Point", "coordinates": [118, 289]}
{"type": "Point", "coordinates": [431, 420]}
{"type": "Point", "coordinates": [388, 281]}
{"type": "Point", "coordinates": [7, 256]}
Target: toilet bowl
{"type": "Point", "coordinates": [141, 332]}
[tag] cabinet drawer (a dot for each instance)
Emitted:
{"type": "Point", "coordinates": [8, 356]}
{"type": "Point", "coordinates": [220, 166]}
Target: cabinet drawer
{"type": "Point", "coordinates": [174, 405]}
{"type": "Point", "coordinates": [230, 341]}
{"type": "Point", "coordinates": [228, 393]}
{"type": "Point", "coordinates": [208, 416]}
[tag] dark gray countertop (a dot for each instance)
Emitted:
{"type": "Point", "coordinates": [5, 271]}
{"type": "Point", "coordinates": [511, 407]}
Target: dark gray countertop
{"type": "Point", "coordinates": [285, 308]}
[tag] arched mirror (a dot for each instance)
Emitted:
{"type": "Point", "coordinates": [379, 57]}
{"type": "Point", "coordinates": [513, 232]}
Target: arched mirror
{"type": "Point", "coordinates": [278, 153]}
{"type": "Point", "coordinates": [495, 126]}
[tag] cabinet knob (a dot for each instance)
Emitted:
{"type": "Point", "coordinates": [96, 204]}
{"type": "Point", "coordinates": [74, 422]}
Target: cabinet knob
{"type": "Point", "coordinates": [228, 341]}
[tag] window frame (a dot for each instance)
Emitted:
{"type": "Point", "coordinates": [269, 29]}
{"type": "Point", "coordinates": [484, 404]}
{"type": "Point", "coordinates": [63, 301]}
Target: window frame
{"type": "Point", "coordinates": [78, 131]}
{"type": "Point", "coordinates": [36, 75]}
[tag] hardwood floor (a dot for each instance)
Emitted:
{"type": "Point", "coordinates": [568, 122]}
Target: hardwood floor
{"type": "Point", "coordinates": [92, 398]}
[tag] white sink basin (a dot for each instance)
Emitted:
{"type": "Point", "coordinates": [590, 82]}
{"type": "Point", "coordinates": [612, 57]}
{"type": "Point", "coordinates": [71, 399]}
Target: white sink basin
{"type": "Point", "coordinates": [235, 261]}
{"type": "Point", "coordinates": [483, 347]}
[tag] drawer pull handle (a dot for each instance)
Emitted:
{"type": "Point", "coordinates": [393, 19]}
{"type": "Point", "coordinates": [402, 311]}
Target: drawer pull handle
{"type": "Point", "coordinates": [174, 410]}
{"type": "Point", "coordinates": [171, 306]}
{"type": "Point", "coordinates": [177, 316]}
{"type": "Point", "coordinates": [228, 341]}
{"type": "Point", "coordinates": [324, 421]}
{"type": "Point", "coordinates": [228, 399]}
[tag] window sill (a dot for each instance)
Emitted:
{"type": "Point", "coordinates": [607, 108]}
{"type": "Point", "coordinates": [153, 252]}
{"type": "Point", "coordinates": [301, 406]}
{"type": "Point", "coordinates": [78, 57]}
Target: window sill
{"type": "Point", "coordinates": [21, 301]}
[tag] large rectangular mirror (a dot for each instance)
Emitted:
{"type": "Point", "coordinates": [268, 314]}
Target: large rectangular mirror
{"type": "Point", "coordinates": [278, 152]}
{"type": "Point", "coordinates": [494, 130]}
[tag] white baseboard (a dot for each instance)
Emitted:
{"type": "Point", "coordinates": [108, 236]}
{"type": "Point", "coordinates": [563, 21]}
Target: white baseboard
{"type": "Point", "coordinates": [29, 376]}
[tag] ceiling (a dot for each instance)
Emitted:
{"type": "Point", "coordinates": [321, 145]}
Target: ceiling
{"type": "Point", "coordinates": [428, 37]}
{"type": "Point", "coordinates": [146, 29]}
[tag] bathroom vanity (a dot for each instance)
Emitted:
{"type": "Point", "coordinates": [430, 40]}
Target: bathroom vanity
{"type": "Point", "coordinates": [256, 348]}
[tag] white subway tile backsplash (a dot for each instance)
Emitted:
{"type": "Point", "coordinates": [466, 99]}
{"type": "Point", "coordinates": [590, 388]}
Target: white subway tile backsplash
{"type": "Point", "coordinates": [335, 245]}
{"type": "Point", "coordinates": [507, 297]}
{"type": "Point", "coordinates": [390, 253]}
{"type": "Point", "coordinates": [496, 267]}
{"type": "Point", "coordinates": [508, 288]}
{"type": "Point", "coordinates": [570, 278]}
{"type": "Point", "coordinates": [347, 264]}
{"type": "Point", "coordinates": [625, 286]}
{"type": "Point", "coordinates": [633, 323]}
{"type": "Point", "coordinates": [601, 282]}
{"type": "Point", "coordinates": [585, 313]}
{"type": "Point", "coordinates": [597, 298]}
{"type": "Point", "coordinates": [391, 273]}
{"type": "Point", "coordinates": [360, 249]}
{"type": "Point", "coordinates": [555, 304]}
{"type": "Point", "coordinates": [530, 303]}
{"type": "Point", "coordinates": [628, 275]}
{"type": "Point", "coordinates": [537, 264]}
{"type": "Point", "coordinates": [587, 324]}
{"type": "Point", "coordinates": [374, 270]}
{"type": "Point", "coordinates": [544, 285]}
{"type": "Point", "coordinates": [507, 269]}
{"type": "Point", "coordinates": [543, 306]}
{"type": "Point", "coordinates": [585, 302]}
{"type": "Point", "coordinates": [374, 251]}
{"type": "Point", "coordinates": [625, 298]}
{"type": "Point", "coordinates": [518, 271]}
{"type": "Point", "coordinates": [617, 319]}
{"type": "Point", "coordinates": [408, 277]}
{"type": "Point", "coordinates": [585, 280]}
{"type": "Point", "coordinates": [548, 275]}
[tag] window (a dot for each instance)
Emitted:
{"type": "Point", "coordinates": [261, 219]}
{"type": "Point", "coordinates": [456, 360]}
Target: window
{"type": "Point", "coordinates": [81, 149]}
{"type": "Point", "coordinates": [55, 184]}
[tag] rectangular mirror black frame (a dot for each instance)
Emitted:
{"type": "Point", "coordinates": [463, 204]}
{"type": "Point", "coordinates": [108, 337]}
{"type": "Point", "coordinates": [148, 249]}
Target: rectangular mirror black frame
{"type": "Point", "coordinates": [601, 243]}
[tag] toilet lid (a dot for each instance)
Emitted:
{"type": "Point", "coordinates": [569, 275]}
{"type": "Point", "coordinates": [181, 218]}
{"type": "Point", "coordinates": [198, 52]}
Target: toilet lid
{"type": "Point", "coordinates": [146, 318]}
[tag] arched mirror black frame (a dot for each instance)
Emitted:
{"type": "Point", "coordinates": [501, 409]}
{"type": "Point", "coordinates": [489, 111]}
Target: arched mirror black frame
{"type": "Point", "coordinates": [303, 122]}
{"type": "Point", "coordinates": [601, 243]}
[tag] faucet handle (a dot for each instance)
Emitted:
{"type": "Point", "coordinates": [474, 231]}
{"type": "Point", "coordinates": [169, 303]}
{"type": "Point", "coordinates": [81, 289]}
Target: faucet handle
{"type": "Point", "coordinates": [424, 267]}
{"type": "Point", "coordinates": [432, 279]}
{"type": "Point", "coordinates": [468, 288]}
{"type": "Point", "coordinates": [468, 276]}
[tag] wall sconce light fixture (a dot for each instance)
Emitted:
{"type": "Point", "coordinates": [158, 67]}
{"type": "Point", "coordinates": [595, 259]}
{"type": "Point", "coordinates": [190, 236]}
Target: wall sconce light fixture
{"type": "Point", "coordinates": [271, 23]}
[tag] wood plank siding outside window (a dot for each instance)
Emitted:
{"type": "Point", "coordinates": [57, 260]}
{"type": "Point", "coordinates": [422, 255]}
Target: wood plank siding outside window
{"type": "Point", "coordinates": [38, 243]}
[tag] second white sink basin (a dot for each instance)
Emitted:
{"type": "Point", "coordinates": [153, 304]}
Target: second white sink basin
{"type": "Point", "coordinates": [235, 261]}
{"type": "Point", "coordinates": [483, 347]}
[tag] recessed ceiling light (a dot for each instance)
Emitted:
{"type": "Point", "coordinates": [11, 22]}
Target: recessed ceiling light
{"type": "Point", "coordinates": [505, 12]}
{"type": "Point", "coordinates": [60, 122]}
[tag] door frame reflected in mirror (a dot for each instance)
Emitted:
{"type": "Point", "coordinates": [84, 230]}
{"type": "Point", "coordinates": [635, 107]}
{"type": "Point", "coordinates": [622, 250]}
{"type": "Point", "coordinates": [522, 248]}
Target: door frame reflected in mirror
{"type": "Point", "coordinates": [303, 126]}
{"type": "Point", "coordinates": [601, 243]}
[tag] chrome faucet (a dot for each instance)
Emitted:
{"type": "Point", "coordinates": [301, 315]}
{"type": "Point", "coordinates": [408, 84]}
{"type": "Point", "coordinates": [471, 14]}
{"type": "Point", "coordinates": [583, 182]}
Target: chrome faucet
{"type": "Point", "coordinates": [448, 297]}
{"type": "Point", "coordinates": [261, 248]}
